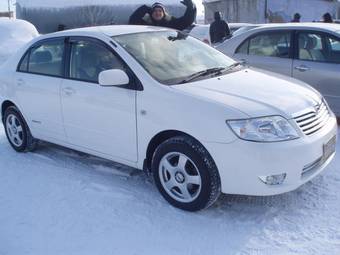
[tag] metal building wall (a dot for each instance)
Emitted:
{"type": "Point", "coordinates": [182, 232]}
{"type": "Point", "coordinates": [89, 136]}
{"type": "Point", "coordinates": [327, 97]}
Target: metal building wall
{"type": "Point", "coordinates": [47, 20]}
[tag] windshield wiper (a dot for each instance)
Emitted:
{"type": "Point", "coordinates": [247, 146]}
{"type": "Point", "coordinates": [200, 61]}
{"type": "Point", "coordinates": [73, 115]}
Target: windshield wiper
{"type": "Point", "coordinates": [232, 66]}
{"type": "Point", "coordinates": [212, 71]}
{"type": "Point", "coordinates": [194, 76]}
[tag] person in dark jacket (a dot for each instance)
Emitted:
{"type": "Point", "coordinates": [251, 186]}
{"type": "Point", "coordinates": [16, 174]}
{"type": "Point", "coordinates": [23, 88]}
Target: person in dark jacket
{"type": "Point", "coordinates": [219, 29]}
{"type": "Point", "coordinates": [297, 18]}
{"type": "Point", "coordinates": [327, 18]}
{"type": "Point", "coordinates": [156, 15]}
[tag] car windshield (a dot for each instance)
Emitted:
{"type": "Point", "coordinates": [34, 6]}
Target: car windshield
{"type": "Point", "coordinates": [173, 57]}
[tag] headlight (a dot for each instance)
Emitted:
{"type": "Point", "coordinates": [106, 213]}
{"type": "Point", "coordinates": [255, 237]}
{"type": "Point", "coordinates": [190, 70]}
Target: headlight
{"type": "Point", "coordinates": [266, 129]}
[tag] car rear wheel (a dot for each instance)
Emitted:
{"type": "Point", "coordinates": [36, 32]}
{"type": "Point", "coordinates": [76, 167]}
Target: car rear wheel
{"type": "Point", "coordinates": [185, 174]}
{"type": "Point", "coordinates": [17, 131]}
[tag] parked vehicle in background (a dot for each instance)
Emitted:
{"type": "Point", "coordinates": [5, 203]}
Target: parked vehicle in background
{"type": "Point", "coordinates": [162, 101]}
{"type": "Point", "coordinates": [14, 34]}
{"type": "Point", "coordinates": [201, 32]}
{"type": "Point", "coordinates": [307, 51]}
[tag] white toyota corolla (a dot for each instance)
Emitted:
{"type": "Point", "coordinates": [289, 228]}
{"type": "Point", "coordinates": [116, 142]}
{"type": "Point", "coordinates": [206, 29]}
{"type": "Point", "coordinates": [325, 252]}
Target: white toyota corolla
{"type": "Point", "coordinates": [159, 100]}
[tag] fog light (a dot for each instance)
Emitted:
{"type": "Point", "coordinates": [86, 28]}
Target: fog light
{"type": "Point", "coordinates": [273, 179]}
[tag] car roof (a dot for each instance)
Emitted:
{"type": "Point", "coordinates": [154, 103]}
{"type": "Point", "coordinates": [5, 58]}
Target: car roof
{"type": "Point", "coordinates": [112, 30]}
{"type": "Point", "coordinates": [305, 25]}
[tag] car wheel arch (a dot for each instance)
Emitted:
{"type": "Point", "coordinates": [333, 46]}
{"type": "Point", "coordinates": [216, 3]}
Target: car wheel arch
{"type": "Point", "coordinates": [158, 139]}
{"type": "Point", "coordinates": [5, 105]}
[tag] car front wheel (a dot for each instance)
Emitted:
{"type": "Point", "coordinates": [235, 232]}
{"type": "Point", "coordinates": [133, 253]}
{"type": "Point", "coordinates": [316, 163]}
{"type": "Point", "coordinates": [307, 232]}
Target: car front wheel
{"type": "Point", "coordinates": [185, 174]}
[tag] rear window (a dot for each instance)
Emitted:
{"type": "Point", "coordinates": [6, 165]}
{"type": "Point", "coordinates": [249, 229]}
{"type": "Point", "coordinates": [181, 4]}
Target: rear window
{"type": "Point", "coordinates": [47, 58]}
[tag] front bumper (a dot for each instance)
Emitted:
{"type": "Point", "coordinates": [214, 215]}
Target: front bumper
{"type": "Point", "coordinates": [240, 163]}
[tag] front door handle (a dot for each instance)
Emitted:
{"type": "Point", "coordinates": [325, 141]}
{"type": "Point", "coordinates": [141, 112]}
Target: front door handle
{"type": "Point", "coordinates": [68, 91]}
{"type": "Point", "coordinates": [302, 68]}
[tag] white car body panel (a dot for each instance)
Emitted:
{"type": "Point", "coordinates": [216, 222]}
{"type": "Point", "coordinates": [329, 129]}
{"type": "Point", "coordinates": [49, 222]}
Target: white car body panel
{"type": "Point", "coordinates": [100, 118]}
{"type": "Point", "coordinates": [199, 109]}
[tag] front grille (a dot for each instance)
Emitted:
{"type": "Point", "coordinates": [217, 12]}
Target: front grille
{"type": "Point", "coordinates": [312, 120]}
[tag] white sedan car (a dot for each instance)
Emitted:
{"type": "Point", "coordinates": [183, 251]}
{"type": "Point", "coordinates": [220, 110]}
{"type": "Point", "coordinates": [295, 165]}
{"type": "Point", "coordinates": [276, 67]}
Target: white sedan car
{"type": "Point", "coordinates": [159, 100]}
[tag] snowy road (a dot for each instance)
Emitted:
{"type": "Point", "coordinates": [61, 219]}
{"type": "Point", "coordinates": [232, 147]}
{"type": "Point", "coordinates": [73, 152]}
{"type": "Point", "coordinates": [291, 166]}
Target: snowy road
{"type": "Point", "coordinates": [57, 201]}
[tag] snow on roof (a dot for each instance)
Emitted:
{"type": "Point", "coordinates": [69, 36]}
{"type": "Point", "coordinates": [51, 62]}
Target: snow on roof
{"type": "Point", "coordinates": [111, 30]}
{"type": "Point", "coordinates": [71, 3]}
{"type": "Point", "coordinates": [328, 26]}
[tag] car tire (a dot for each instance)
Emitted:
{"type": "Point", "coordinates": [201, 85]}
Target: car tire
{"type": "Point", "coordinates": [185, 174]}
{"type": "Point", "coordinates": [17, 131]}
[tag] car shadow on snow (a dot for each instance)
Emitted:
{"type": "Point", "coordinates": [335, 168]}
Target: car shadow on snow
{"type": "Point", "coordinates": [78, 161]}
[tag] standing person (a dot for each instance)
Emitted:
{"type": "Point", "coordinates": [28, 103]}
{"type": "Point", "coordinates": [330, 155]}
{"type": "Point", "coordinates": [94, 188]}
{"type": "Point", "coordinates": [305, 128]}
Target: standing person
{"type": "Point", "coordinates": [219, 29]}
{"type": "Point", "coordinates": [156, 15]}
{"type": "Point", "coordinates": [327, 18]}
{"type": "Point", "coordinates": [297, 18]}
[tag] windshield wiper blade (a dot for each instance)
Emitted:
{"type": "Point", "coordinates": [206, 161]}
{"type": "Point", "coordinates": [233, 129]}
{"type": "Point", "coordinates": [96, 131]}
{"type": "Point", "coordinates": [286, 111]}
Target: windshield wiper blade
{"type": "Point", "coordinates": [203, 73]}
{"type": "Point", "coordinates": [232, 66]}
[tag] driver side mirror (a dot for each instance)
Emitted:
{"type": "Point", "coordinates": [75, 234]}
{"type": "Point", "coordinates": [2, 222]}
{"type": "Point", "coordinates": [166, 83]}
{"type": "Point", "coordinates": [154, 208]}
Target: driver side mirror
{"type": "Point", "coordinates": [113, 77]}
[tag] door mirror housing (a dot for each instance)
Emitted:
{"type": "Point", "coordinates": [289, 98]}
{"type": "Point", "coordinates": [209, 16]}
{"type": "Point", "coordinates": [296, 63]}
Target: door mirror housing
{"type": "Point", "coordinates": [113, 77]}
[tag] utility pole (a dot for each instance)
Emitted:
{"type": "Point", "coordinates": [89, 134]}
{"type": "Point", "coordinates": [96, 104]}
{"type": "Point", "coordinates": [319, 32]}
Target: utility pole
{"type": "Point", "coordinates": [9, 6]}
{"type": "Point", "coordinates": [266, 11]}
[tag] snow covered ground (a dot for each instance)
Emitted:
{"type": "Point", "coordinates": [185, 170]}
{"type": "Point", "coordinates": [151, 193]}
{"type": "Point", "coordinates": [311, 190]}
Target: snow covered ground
{"type": "Point", "coordinates": [58, 201]}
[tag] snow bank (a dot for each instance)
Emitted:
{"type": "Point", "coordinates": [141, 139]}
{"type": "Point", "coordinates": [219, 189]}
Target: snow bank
{"type": "Point", "coordinates": [14, 33]}
{"type": "Point", "coordinates": [68, 3]}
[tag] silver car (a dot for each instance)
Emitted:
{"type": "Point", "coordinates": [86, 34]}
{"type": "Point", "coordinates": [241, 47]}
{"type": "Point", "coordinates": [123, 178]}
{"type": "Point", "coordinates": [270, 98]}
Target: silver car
{"type": "Point", "coordinates": [306, 51]}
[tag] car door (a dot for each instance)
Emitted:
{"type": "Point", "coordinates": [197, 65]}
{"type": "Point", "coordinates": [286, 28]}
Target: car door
{"type": "Point", "coordinates": [101, 119]}
{"type": "Point", "coordinates": [318, 63]}
{"type": "Point", "coordinates": [38, 80]}
{"type": "Point", "coordinates": [270, 50]}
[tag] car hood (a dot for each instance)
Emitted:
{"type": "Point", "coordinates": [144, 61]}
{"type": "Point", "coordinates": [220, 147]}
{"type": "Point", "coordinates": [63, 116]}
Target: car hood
{"type": "Point", "coordinates": [256, 93]}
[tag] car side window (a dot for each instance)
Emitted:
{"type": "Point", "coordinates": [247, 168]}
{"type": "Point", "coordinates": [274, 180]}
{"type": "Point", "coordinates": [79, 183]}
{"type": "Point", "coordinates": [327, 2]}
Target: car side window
{"type": "Point", "coordinates": [89, 58]}
{"type": "Point", "coordinates": [24, 63]}
{"type": "Point", "coordinates": [333, 55]}
{"type": "Point", "coordinates": [311, 47]}
{"type": "Point", "coordinates": [243, 49]}
{"type": "Point", "coordinates": [47, 58]}
{"type": "Point", "coordinates": [273, 44]}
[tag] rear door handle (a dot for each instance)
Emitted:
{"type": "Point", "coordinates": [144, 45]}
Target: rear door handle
{"type": "Point", "coordinates": [302, 68]}
{"type": "Point", "coordinates": [68, 91]}
{"type": "Point", "coordinates": [20, 82]}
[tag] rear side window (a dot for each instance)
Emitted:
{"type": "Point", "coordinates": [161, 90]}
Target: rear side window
{"type": "Point", "coordinates": [24, 63]}
{"type": "Point", "coordinates": [311, 47]}
{"type": "Point", "coordinates": [47, 58]}
{"type": "Point", "coordinates": [273, 44]}
{"type": "Point", "coordinates": [89, 58]}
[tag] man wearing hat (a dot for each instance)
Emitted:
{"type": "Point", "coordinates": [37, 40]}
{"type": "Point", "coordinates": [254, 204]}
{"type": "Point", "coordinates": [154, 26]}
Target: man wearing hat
{"type": "Point", "coordinates": [156, 15]}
